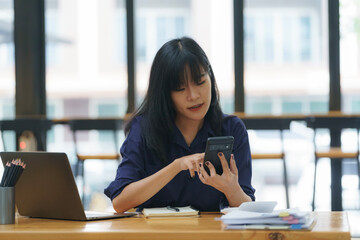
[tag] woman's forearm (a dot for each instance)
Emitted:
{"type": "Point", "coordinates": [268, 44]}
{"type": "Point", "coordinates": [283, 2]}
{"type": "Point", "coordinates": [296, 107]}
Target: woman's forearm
{"type": "Point", "coordinates": [138, 192]}
{"type": "Point", "coordinates": [236, 197]}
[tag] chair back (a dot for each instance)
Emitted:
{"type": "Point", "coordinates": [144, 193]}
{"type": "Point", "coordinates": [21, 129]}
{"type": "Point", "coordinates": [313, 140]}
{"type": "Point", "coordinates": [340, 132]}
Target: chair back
{"type": "Point", "coordinates": [266, 123]}
{"type": "Point", "coordinates": [38, 126]}
{"type": "Point", "coordinates": [96, 124]}
{"type": "Point", "coordinates": [336, 123]}
{"type": "Point", "coordinates": [81, 125]}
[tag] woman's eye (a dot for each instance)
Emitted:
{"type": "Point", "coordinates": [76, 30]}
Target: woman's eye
{"type": "Point", "coordinates": [201, 82]}
{"type": "Point", "coordinates": [179, 89]}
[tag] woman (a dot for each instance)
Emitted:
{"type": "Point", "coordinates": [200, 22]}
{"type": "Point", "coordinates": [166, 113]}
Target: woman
{"type": "Point", "coordinates": [163, 154]}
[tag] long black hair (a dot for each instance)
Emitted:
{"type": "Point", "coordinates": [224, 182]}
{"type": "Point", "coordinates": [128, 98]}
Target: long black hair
{"type": "Point", "coordinates": [168, 74]}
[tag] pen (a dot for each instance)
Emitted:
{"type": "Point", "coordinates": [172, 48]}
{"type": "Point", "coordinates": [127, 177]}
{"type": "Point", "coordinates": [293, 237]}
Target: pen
{"type": "Point", "coordinates": [173, 209]}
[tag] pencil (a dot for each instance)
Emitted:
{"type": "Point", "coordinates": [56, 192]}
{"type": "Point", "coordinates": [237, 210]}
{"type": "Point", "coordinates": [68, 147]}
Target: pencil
{"type": "Point", "coordinates": [9, 175]}
{"type": "Point", "coordinates": [12, 173]}
{"type": "Point", "coordinates": [20, 170]}
{"type": "Point", "coordinates": [6, 171]}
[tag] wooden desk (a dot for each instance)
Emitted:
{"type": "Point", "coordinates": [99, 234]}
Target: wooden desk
{"type": "Point", "coordinates": [329, 225]}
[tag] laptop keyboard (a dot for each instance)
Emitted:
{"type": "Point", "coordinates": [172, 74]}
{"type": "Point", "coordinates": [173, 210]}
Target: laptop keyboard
{"type": "Point", "coordinates": [92, 214]}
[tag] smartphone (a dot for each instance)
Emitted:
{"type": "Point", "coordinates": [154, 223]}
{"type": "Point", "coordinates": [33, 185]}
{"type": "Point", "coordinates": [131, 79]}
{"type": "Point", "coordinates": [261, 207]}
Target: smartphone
{"type": "Point", "coordinates": [214, 145]}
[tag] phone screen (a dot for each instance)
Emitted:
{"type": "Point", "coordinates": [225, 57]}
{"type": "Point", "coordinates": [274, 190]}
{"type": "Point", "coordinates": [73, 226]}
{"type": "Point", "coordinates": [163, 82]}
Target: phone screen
{"type": "Point", "coordinates": [215, 145]}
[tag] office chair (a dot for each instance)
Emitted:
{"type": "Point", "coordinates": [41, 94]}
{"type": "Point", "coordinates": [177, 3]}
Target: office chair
{"type": "Point", "coordinates": [100, 125]}
{"type": "Point", "coordinates": [336, 123]}
{"type": "Point", "coordinates": [270, 123]}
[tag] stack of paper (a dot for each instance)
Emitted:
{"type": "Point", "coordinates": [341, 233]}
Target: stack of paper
{"type": "Point", "coordinates": [284, 219]}
{"type": "Point", "coordinates": [259, 206]}
{"type": "Point", "coordinates": [170, 212]}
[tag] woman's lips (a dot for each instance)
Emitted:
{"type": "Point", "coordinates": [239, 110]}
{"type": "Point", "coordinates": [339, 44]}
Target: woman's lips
{"type": "Point", "coordinates": [196, 107]}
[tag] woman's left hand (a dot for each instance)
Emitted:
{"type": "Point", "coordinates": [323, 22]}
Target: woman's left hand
{"type": "Point", "coordinates": [227, 181]}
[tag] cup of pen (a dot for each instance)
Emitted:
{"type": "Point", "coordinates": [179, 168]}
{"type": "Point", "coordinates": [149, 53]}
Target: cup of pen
{"type": "Point", "coordinates": [11, 175]}
{"type": "Point", "coordinates": [7, 205]}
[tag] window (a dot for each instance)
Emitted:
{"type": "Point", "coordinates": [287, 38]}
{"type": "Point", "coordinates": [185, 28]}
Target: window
{"type": "Point", "coordinates": [141, 32]}
{"type": "Point", "coordinates": [173, 26]}
{"type": "Point", "coordinates": [285, 72]}
{"type": "Point", "coordinates": [355, 106]}
{"type": "Point", "coordinates": [259, 107]}
{"type": "Point", "coordinates": [7, 60]}
{"type": "Point", "coordinates": [7, 70]}
{"type": "Point", "coordinates": [107, 110]}
{"type": "Point", "coordinates": [249, 38]}
{"type": "Point", "coordinates": [86, 61]}
{"type": "Point", "coordinates": [286, 54]}
{"type": "Point", "coordinates": [305, 35]}
{"type": "Point", "coordinates": [291, 107]}
{"type": "Point", "coordinates": [51, 28]}
{"type": "Point", "coordinates": [120, 36]}
{"type": "Point", "coordinates": [350, 55]}
{"type": "Point", "coordinates": [318, 107]}
{"type": "Point", "coordinates": [210, 24]}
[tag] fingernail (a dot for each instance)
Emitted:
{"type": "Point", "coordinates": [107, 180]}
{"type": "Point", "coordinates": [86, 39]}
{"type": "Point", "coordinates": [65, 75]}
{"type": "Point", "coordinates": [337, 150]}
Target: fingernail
{"type": "Point", "coordinates": [200, 164]}
{"type": "Point", "coordinates": [207, 163]}
{"type": "Point", "coordinates": [220, 154]}
{"type": "Point", "coordinates": [232, 156]}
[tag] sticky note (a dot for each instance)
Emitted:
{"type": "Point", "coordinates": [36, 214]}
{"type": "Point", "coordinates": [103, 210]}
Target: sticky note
{"type": "Point", "coordinates": [284, 214]}
{"type": "Point", "coordinates": [296, 226]}
{"type": "Point", "coordinates": [293, 221]}
{"type": "Point", "coordinates": [288, 218]}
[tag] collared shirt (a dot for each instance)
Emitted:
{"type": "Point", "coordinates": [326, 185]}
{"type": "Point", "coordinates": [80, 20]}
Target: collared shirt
{"type": "Point", "coordinates": [139, 162]}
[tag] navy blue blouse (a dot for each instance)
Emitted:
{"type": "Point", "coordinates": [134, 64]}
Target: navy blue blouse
{"type": "Point", "coordinates": [139, 162]}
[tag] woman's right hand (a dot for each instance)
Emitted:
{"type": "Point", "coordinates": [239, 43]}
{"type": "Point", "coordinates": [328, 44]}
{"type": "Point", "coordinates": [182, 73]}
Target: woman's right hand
{"type": "Point", "coordinates": [142, 190]}
{"type": "Point", "coordinates": [191, 163]}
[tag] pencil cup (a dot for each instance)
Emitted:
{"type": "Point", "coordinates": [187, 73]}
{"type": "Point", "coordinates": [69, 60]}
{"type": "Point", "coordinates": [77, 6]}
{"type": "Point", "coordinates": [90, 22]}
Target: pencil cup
{"type": "Point", "coordinates": [7, 205]}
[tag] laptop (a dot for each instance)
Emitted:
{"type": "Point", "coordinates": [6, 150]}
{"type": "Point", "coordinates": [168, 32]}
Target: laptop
{"type": "Point", "coordinates": [47, 188]}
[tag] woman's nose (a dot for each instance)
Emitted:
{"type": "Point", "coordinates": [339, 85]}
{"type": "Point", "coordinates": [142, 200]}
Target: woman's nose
{"type": "Point", "coordinates": [192, 93]}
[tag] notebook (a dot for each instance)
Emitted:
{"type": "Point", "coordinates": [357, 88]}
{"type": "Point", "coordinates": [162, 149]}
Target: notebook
{"type": "Point", "coordinates": [47, 188]}
{"type": "Point", "coordinates": [170, 212]}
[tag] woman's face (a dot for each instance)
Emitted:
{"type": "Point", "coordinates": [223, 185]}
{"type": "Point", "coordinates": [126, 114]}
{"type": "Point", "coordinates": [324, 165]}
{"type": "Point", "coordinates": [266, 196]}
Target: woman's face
{"type": "Point", "coordinates": [192, 101]}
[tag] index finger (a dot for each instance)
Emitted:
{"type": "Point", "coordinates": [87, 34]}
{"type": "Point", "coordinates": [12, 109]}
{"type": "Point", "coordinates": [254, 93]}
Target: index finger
{"type": "Point", "coordinates": [199, 159]}
{"type": "Point", "coordinates": [224, 164]}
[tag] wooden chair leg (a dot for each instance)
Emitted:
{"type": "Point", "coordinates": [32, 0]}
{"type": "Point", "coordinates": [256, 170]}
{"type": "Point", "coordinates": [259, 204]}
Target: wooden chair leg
{"type": "Point", "coordinates": [313, 200]}
{"type": "Point", "coordinates": [77, 169]}
{"type": "Point", "coordinates": [286, 183]}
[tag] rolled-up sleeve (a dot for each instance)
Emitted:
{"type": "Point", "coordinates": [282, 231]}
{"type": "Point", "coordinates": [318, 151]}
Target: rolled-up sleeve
{"type": "Point", "coordinates": [131, 168]}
